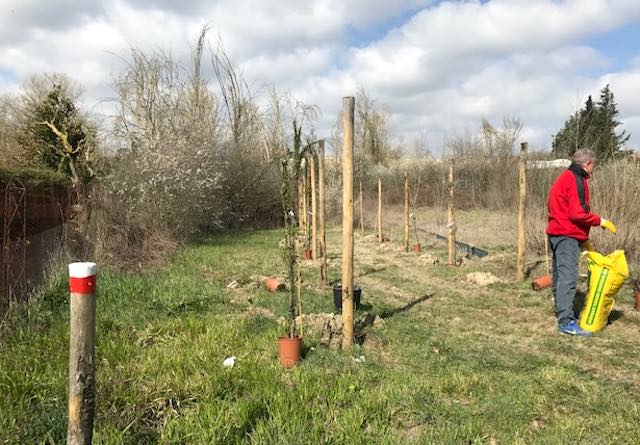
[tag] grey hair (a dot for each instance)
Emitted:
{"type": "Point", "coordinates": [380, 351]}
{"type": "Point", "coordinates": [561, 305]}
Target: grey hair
{"type": "Point", "coordinates": [583, 156]}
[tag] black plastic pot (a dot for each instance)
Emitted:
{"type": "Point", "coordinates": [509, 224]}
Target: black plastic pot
{"type": "Point", "coordinates": [337, 296]}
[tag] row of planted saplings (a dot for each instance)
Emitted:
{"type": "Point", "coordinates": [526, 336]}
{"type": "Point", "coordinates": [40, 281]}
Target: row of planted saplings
{"type": "Point", "coordinates": [298, 161]}
{"type": "Point", "coordinates": [298, 172]}
{"type": "Point", "coordinates": [303, 210]}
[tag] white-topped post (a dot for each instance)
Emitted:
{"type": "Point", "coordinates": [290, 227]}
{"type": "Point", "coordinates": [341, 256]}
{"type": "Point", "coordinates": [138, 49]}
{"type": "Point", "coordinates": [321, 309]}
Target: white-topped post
{"type": "Point", "coordinates": [82, 332]}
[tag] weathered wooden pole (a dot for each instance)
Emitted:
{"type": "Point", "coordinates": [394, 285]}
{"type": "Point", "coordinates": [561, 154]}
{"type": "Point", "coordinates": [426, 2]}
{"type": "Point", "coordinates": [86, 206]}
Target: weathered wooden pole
{"type": "Point", "coordinates": [314, 209]}
{"type": "Point", "coordinates": [300, 214]}
{"type": "Point", "coordinates": [379, 209]}
{"type": "Point", "coordinates": [546, 252]}
{"type": "Point", "coordinates": [361, 212]}
{"type": "Point", "coordinates": [305, 215]}
{"type": "Point", "coordinates": [299, 289]}
{"type": "Point", "coordinates": [321, 215]}
{"type": "Point", "coordinates": [82, 333]}
{"type": "Point", "coordinates": [406, 213]}
{"type": "Point", "coordinates": [348, 104]}
{"type": "Point", "coordinates": [451, 221]}
{"type": "Point", "coordinates": [521, 212]}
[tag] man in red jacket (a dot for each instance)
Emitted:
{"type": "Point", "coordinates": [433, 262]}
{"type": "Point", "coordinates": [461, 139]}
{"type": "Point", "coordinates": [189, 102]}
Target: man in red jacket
{"type": "Point", "coordinates": [570, 220]}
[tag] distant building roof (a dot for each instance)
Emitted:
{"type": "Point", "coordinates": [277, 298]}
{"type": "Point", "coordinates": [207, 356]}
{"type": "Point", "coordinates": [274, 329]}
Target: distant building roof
{"type": "Point", "coordinates": [556, 163]}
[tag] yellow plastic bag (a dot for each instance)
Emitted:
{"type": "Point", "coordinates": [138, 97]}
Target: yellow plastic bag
{"type": "Point", "coordinates": [607, 275]}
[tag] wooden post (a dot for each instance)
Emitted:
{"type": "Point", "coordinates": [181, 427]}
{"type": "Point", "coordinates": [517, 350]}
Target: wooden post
{"type": "Point", "coordinates": [546, 252]}
{"type": "Point", "coordinates": [379, 209]}
{"type": "Point", "coordinates": [406, 213]}
{"type": "Point", "coordinates": [314, 210]}
{"type": "Point", "coordinates": [348, 104]}
{"type": "Point", "coordinates": [361, 212]}
{"type": "Point", "coordinates": [321, 215]}
{"type": "Point", "coordinates": [451, 221]}
{"type": "Point", "coordinates": [521, 213]}
{"type": "Point", "coordinates": [300, 303]}
{"type": "Point", "coordinates": [305, 215]}
{"type": "Point", "coordinates": [300, 214]}
{"type": "Point", "coordinates": [82, 331]}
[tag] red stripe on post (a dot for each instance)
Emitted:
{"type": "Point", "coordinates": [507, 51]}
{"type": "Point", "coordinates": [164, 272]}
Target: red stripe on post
{"type": "Point", "coordinates": [86, 285]}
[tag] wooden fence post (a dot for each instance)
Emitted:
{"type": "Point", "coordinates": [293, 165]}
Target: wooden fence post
{"type": "Point", "coordinates": [361, 212]}
{"type": "Point", "coordinates": [521, 212]}
{"type": "Point", "coordinates": [82, 332]}
{"type": "Point", "coordinates": [305, 214]}
{"type": "Point", "coordinates": [300, 212]}
{"type": "Point", "coordinates": [546, 252]}
{"type": "Point", "coordinates": [406, 213]}
{"type": "Point", "coordinates": [379, 209]}
{"type": "Point", "coordinates": [314, 209]}
{"type": "Point", "coordinates": [451, 221]}
{"type": "Point", "coordinates": [321, 215]}
{"type": "Point", "coordinates": [348, 104]}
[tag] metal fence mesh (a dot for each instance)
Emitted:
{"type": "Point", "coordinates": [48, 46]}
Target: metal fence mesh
{"type": "Point", "coordinates": [33, 229]}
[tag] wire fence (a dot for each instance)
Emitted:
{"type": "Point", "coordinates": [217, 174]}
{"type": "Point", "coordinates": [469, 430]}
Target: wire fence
{"type": "Point", "coordinates": [37, 225]}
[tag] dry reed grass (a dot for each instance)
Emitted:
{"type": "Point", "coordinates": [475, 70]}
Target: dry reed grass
{"type": "Point", "coordinates": [486, 201]}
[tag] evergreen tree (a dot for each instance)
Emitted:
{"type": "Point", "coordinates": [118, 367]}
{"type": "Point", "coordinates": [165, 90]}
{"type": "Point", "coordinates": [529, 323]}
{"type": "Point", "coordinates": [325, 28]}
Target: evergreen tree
{"type": "Point", "coordinates": [594, 127]}
{"type": "Point", "coordinates": [608, 142]}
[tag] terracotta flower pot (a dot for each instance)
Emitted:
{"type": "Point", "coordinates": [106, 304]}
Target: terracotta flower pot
{"type": "Point", "coordinates": [289, 351]}
{"type": "Point", "coordinates": [542, 282]}
{"type": "Point", "coordinates": [273, 284]}
{"type": "Point", "coordinates": [416, 247]}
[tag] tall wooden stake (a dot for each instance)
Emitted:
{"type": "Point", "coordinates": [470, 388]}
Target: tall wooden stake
{"type": "Point", "coordinates": [314, 210]}
{"type": "Point", "coordinates": [406, 213]}
{"type": "Point", "coordinates": [82, 332]}
{"type": "Point", "coordinates": [379, 209]}
{"type": "Point", "coordinates": [361, 212]}
{"type": "Point", "coordinates": [546, 252]}
{"type": "Point", "coordinates": [300, 213]}
{"type": "Point", "coordinates": [305, 214]}
{"type": "Point", "coordinates": [521, 212]}
{"type": "Point", "coordinates": [451, 221]}
{"type": "Point", "coordinates": [321, 215]}
{"type": "Point", "coordinates": [348, 104]}
{"type": "Point", "coordinates": [300, 303]}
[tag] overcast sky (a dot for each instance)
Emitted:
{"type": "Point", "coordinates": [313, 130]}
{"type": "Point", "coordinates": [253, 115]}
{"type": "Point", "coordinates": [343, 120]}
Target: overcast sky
{"type": "Point", "coordinates": [437, 67]}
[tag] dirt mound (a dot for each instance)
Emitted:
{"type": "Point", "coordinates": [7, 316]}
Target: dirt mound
{"type": "Point", "coordinates": [483, 278]}
{"type": "Point", "coordinates": [329, 327]}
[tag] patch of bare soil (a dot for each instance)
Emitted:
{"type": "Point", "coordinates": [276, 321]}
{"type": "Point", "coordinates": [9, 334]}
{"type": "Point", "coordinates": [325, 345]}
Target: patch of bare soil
{"type": "Point", "coordinates": [483, 278]}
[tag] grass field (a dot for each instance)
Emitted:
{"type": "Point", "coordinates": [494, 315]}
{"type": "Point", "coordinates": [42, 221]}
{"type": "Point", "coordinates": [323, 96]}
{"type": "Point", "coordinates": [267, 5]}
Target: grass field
{"type": "Point", "coordinates": [455, 362]}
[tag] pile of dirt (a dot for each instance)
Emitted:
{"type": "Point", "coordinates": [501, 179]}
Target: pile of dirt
{"type": "Point", "coordinates": [428, 258]}
{"type": "Point", "coordinates": [329, 327]}
{"type": "Point", "coordinates": [483, 278]}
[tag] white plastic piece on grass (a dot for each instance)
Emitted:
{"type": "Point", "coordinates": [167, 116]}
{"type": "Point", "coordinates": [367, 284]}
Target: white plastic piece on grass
{"type": "Point", "coordinates": [359, 359]}
{"type": "Point", "coordinates": [229, 362]}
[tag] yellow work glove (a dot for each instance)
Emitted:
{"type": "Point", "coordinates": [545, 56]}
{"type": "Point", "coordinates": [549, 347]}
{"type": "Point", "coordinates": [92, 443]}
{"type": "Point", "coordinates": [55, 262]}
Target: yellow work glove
{"type": "Point", "coordinates": [606, 224]}
{"type": "Point", "coordinates": [586, 246]}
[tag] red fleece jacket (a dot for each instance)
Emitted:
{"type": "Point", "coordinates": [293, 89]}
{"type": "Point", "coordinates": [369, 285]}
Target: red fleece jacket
{"type": "Point", "coordinates": [566, 215]}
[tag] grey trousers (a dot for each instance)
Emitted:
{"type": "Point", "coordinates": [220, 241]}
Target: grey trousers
{"type": "Point", "coordinates": [566, 252]}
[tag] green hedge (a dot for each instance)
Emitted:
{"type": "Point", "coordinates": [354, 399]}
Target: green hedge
{"type": "Point", "coordinates": [33, 177]}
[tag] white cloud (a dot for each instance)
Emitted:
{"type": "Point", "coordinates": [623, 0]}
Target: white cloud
{"type": "Point", "coordinates": [440, 71]}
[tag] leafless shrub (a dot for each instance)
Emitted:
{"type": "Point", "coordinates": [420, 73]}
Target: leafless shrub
{"type": "Point", "coordinates": [190, 160]}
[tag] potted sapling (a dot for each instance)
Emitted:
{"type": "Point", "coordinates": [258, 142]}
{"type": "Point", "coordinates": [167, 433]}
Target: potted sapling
{"type": "Point", "coordinates": [290, 345]}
